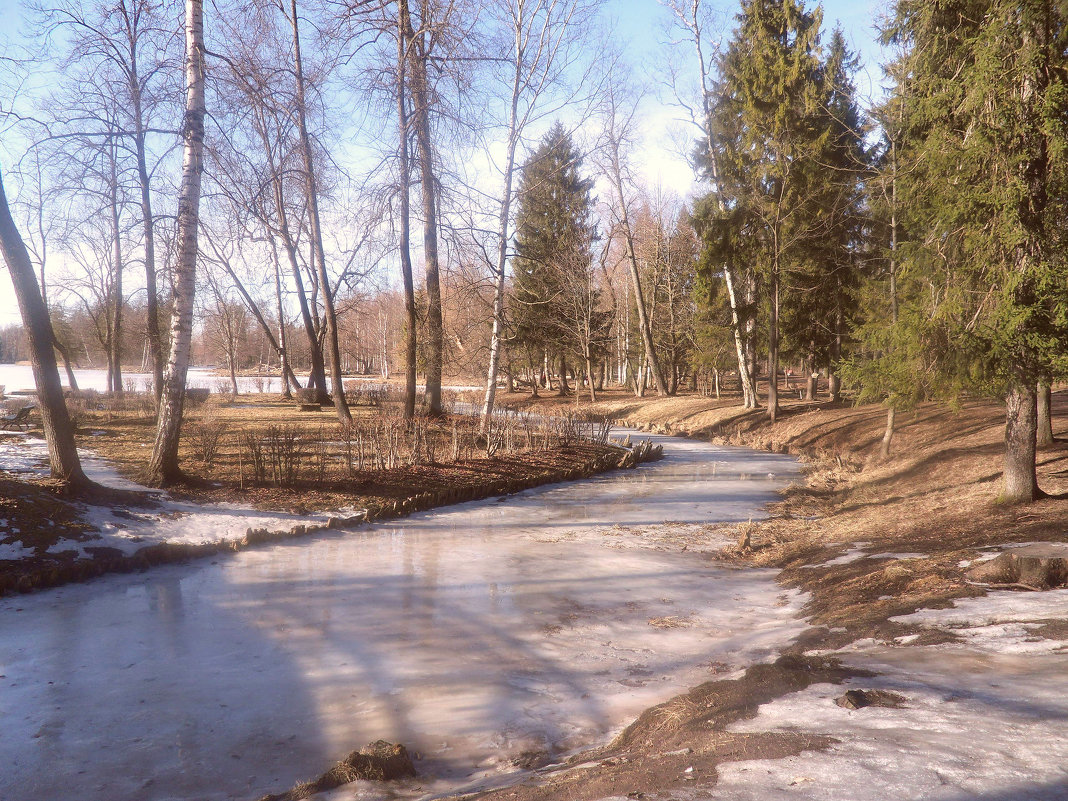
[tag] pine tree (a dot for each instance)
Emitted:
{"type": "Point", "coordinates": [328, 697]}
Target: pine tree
{"type": "Point", "coordinates": [553, 258]}
{"type": "Point", "coordinates": [820, 313]}
{"type": "Point", "coordinates": [984, 139]}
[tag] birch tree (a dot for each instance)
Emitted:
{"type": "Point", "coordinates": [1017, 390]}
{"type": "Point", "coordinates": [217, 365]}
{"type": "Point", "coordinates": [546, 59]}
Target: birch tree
{"type": "Point", "coordinates": [540, 44]}
{"type": "Point", "coordinates": [693, 19]}
{"type": "Point", "coordinates": [618, 119]}
{"type": "Point", "coordinates": [59, 430]}
{"type": "Point", "coordinates": [163, 467]}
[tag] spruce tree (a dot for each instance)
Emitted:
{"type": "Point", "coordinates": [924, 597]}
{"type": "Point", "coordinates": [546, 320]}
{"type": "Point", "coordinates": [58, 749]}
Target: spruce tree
{"type": "Point", "coordinates": [553, 249]}
{"type": "Point", "coordinates": [769, 130]}
{"type": "Point", "coordinates": [983, 185]}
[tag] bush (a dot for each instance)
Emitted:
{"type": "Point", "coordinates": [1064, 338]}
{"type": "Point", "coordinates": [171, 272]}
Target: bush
{"type": "Point", "coordinates": [206, 436]}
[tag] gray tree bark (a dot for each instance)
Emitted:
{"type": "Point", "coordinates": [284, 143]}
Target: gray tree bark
{"type": "Point", "coordinates": [1044, 434]}
{"type": "Point", "coordinates": [58, 429]}
{"type": "Point", "coordinates": [1019, 482]}
{"type": "Point", "coordinates": [331, 338]}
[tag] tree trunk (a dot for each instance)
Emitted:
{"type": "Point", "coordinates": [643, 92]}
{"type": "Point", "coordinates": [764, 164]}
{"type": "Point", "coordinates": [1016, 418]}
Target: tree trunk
{"type": "Point", "coordinates": [317, 376]}
{"type": "Point", "coordinates": [497, 334]}
{"type": "Point", "coordinates": [116, 285]}
{"type": "Point", "coordinates": [749, 394]}
{"type": "Point", "coordinates": [311, 185]}
{"type": "Point", "coordinates": [1019, 479]}
{"type": "Point", "coordinates": [405, 221]}
{"type": "Point", "coordinates": [152, 328]}
{"type": "Point", "coordinates": [72, 380]}
{"type": "Point", "coordinates": [418, 52]}
{"type": "Point", "coordinates": [834, 388]}
{"type": "Point", "coordinates": [564, 389]}
{"type": "Point", "coordinates": [773, 349]}
{"type": "Point", "coordinates": [58, 428]}
{"type": "Point", "coordinates": [888, 435]}
{"type": "Point", "coordinates": [639, 297]}
{"type": "Point", "coordinates": [1044, 435]}
{"type": "Point", "coordinates": [232, 359]}
{"type": "Point", "coordinates": [163, 467]}
{"type": "Point", "coordinates": [288, 378]}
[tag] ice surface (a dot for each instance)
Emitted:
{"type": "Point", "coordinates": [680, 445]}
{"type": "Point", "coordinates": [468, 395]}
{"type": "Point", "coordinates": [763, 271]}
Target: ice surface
{"type": "Point", "coordinates": [472, 634]}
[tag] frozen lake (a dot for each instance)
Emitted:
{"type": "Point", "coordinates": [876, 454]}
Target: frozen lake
{"type": "Point", "coordinates": [544, 622]}
{"type": "Point", "coordinates": [19, 378]}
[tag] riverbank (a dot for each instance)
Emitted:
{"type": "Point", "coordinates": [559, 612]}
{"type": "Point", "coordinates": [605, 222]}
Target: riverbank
{"type": "Point", "coordinates": [875, 546]}
{"type": "Point", "coordinates": [306, 481]}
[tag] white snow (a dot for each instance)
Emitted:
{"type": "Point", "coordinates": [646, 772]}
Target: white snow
{"type": "Point", "coordinates": [14, 550]}
{"type": "Point", "coordinates": [850, 556]}
{"type": "Point", "coordinates": [129, 530]}
{"type": "Point", "coordinates": [984, 719]}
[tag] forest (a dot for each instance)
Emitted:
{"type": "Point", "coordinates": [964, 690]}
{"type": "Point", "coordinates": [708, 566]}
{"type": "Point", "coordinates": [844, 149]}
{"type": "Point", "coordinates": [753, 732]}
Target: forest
{"type": "Point", "coordinates": [447, 191]}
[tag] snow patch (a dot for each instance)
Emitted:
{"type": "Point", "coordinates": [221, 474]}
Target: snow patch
{"type": "Point", "coordinates": [14, 550]}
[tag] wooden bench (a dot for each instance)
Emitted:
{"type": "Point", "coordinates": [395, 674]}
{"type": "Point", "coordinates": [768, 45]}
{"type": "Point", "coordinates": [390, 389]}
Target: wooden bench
{"type": "Point", "coordinates": [19, 418]}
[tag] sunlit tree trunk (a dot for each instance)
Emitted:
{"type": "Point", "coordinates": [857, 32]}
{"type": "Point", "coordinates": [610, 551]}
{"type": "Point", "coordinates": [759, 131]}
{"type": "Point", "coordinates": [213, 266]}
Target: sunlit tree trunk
{"type": "Point", "coordinates": [331, 335]}
{"type": "Point", "coordinates": [59, 431]}
{"type": "Point", "coordinates": [1020, 478]}
{"type": "Point", "coordinates": [1044, 435]}
{"type": "Point", "coordinates": [163, 467]}
{"type": "Point", "coordinates": [405, 216]}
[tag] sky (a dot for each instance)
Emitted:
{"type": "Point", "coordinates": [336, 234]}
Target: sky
{"type": "Point", "coordinates": [641, 23]}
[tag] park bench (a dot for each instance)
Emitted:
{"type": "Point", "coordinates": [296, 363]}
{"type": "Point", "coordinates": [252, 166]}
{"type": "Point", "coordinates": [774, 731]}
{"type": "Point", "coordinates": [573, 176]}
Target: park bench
{"type": "Point", "coordinates": [19, 418]}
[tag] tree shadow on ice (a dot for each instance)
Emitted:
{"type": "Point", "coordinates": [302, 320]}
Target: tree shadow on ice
{"type": "Point", "coordinates": [150, 687]}
{"type": "Point", "coordinates": [1056, 790]}
{"type": "Point", "coordinates": [456, 667]}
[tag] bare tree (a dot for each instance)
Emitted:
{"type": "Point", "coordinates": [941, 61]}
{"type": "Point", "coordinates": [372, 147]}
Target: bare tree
{"type": "Point", "coordinates": [541, 38]}
{"type": "Point", "coordinates": [163, 467]}
{"type": "Point", "coordinates": [58, 428]}
{"type": "Point", "coordinates": [693, 19]}
{"type": "Point", "coordinates": [618, 118]}
{"type": "Point", "coordinates": [129, 42]}
{"type": "Point", "coordinates": [319, 253]}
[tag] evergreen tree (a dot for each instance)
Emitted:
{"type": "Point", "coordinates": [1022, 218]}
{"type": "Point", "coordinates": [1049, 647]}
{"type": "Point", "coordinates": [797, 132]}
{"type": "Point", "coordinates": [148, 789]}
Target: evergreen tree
{"type": "Point", "coordinates": [552, 268]}
{"type": "Point", "coordinates": [983, 190]}
{"type": "Point", "coordinates": [770, 130]}
{"type": "Point", "coordinates": [820, 312]}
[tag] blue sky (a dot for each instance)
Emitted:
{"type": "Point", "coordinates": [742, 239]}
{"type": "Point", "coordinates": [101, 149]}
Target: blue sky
{"type": "Point", "coordinates": [639, 21]}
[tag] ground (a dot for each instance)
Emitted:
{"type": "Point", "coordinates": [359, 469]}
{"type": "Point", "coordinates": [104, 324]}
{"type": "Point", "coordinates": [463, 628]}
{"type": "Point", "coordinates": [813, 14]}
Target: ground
{"type": "Point", "coordinates": [870, 542]}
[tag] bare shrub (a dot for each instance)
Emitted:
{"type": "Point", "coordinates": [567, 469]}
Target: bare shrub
{"type": "Point", "coordinates": [254, 450]}
{"type": "Point", "coordinates": [284, 449]}
{"type": "Point", "coordinates": [320, 453]}
{"type": "Point", "coordinates": [600, 427]}
{"type": "Point", "coordinates": [567, 429]}
{"type": "Point", "coordinates": [206, 436]}
{"type": "Point", "coordinates": [494, 438]}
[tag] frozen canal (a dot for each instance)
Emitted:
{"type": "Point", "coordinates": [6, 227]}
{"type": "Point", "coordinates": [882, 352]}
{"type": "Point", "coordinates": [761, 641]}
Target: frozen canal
{"type": "Point", "coordinates": [490, 632]}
